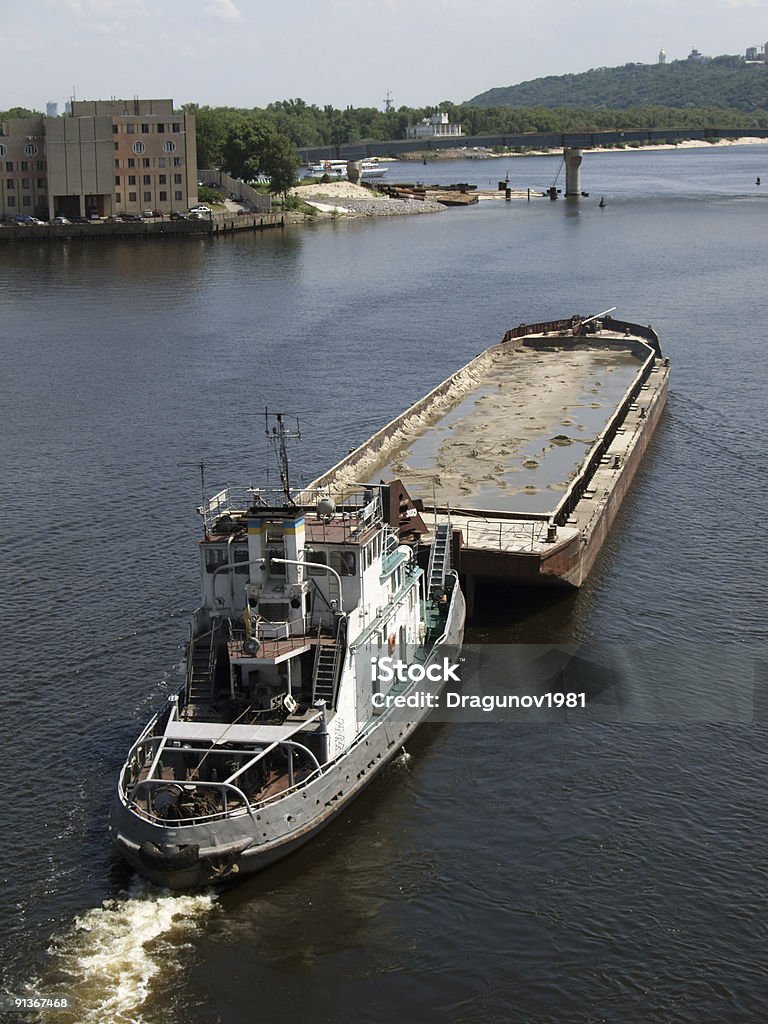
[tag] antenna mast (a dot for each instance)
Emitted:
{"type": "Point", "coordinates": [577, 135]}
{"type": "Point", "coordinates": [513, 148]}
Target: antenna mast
{"type": "Point", "coordinates": [278, 435]}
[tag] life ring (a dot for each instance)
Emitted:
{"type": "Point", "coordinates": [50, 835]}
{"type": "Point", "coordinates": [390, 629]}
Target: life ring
{"type": "Point", "coordinates": [391, 641]}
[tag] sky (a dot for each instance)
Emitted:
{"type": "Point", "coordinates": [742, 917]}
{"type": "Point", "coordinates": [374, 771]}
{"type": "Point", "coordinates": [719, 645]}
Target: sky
{"type": "Point", "coordinates": [248, 53]}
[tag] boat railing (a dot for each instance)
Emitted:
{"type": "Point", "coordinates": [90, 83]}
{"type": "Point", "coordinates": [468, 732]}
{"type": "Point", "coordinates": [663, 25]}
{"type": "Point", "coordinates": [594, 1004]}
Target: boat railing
{"type": "Point", "coordinates": [502, 535]}
{"type": "Point", "coordinates": [580, 482]}
{"type": "Point", "coordinates": [148, 786]}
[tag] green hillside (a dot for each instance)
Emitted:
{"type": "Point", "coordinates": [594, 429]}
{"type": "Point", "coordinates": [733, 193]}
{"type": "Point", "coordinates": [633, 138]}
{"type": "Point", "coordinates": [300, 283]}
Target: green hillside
{"type": "Point", "coordinates": [726, 82]}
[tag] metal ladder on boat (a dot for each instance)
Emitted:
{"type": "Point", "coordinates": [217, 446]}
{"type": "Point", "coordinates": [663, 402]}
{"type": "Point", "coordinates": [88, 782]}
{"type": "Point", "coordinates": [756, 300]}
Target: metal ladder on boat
{"type": "Point", "coordinates": [328, 658]}
{"type": "Point", "coordinates": [439, 560]}
{"type": "Point", "coordinates": [201, 667]}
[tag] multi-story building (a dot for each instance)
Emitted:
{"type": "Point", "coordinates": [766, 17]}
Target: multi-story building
{"type": "Point", "coordinates": [102, 158]}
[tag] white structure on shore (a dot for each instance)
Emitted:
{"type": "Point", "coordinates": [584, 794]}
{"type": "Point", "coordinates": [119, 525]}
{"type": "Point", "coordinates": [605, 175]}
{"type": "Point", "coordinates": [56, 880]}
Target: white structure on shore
{"type": "Point", "coordinates": [437, 126]}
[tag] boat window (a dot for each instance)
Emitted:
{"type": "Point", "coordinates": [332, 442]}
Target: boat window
{"type": "Point", "coordinates": [344, 562]}
{"type": "Point", "coordinates": [318, 558]}
{"type": "Point", "coordinates": [274, 534]}
{"type": "Point", "coordinates": [214, 558]}
{"type": "Point", "coordinates": [275, 569]}
{"type": "Point", "coordinates": [241, 555]}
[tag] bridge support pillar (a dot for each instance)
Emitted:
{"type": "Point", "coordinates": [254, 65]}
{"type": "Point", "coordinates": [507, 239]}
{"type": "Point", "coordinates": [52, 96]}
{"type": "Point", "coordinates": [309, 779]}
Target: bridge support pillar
{"type": "Point", "coordinates": [572, 159]}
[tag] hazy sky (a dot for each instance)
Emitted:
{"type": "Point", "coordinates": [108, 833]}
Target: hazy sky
{"type": "Point", "coordinates": [342, 52]}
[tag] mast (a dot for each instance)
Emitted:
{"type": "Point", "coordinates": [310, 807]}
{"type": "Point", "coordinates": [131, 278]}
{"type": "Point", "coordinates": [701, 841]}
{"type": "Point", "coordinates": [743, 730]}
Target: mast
{"type": "Point", "coordinates": [278, 435]}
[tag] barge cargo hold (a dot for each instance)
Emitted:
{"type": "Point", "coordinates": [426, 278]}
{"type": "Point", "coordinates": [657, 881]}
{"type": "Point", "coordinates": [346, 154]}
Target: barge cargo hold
{"type": "Point", "coordinates": [529, 448]}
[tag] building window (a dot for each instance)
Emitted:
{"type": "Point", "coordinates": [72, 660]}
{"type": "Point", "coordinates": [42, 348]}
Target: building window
{"type": "Point", "coordinates": [131, 162]}
{"type": "Point", "coordinates": [9, 165]}
{"type": "Point", "coordinates": [163, 197]}
{"type": "Point", "coordinates": [117, 145]}
{"type": "Point", "coordinates": [118, 197]}
{"type": "Point", "coordinates": [161, 127]}
{"type": "Point", "coordinates": [169, 146]}
{"type": "Point", "coordinates": [177, 161]}
{"type": "Point", "coordinates": [177, 126]}
{"type": "Point", "coordinates": [177, 179]}
{"type": "Point", "coordinates": [146, 162]}
{"type": "Point", "coordinates": [177, 195]}
{"type": "Point", "coordinates": [41, 183]}
{"type": "Point", "coordinates": [24, 165]}
{"type": "Point", "coordinates": [26, 200]}
{"type": "Point", "coordinates": [41, 165]}
{"type": "Point", "coordinates": [3, 150]}
{"type": "Point", "coordinates": [26, 183]}
{"type": "Point", "coordinates": [11, 183]}
{"type": "Point", "coordinates": [161, 161]}
{"type": "Point", "coordinates": [114, 129]}
{"type": "Point", "coordinates": [117, 163]}
{"type": "Point", "coordinates": [11, 201]}
{"type": "Point", "coordinates": [131, 197]}
{"type": "Point", "coordinates": [147, 179]}
{"type": "Point", "coordinates": [145, 129]}
{"type": "Point", "coordinates": [147, 197]}
{"type": "Point", "coordinates": [131, 179]}
{"type": "Point", "coordinates": [163, 179]}
{"type": "Point", "coordinates": [130, 128]}
{"type": "Point", "coordinates": [117, 179]}
{"type": "Point", "coordinates": [139, 147]}
{"type": "Point", "coordinates": [30, 149]}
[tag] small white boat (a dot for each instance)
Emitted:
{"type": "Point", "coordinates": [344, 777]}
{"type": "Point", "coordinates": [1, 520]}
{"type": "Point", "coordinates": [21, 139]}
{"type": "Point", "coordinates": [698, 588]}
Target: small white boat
{"type": "Point", "coordinates": [337, 169]}
{"type": "Point", "coordinates": [310, 602]}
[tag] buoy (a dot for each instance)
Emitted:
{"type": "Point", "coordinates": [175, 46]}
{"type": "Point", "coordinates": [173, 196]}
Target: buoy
{"type": "Point", "coordinates": [757, 182]}
{"type": "Point", "coordinates": [601, 204]}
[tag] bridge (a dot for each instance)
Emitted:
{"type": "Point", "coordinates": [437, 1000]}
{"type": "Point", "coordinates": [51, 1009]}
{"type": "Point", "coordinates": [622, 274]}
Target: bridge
{"type": "Point", "coordinates": [529, 140]}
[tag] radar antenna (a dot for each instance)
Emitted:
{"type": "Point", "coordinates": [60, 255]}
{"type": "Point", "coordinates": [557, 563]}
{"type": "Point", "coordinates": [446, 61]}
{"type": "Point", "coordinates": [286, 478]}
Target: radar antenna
{"type": "Point", "coordinates": [278, 435]}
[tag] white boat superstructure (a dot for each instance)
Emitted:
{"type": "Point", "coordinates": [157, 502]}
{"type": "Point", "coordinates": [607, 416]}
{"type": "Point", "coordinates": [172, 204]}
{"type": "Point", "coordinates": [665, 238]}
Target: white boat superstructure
{"type": "Point", "coordinates": [282, 718]}
{"type": "Point", "coordinates": [337, 169]}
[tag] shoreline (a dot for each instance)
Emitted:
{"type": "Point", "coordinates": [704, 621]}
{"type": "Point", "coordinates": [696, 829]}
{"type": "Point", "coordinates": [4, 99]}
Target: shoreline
{"type": "Point", "coordinates": [481, 154]}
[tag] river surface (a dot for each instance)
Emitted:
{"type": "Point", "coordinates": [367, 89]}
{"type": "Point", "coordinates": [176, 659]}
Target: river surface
{"type": "Point", "coordinates": [609, 866]}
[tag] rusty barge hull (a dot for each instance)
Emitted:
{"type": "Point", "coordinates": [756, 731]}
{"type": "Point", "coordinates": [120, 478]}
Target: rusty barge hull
{"type": "Point", "coordinates": [545, 535]}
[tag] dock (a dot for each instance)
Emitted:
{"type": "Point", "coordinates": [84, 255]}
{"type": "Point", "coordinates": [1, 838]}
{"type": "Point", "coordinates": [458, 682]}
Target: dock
{"type": "Point", "coordinates": [527, 451]}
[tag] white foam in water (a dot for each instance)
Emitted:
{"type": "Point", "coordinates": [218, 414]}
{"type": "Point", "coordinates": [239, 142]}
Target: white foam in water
{"type": "Point", "coordinates": [113, 953]}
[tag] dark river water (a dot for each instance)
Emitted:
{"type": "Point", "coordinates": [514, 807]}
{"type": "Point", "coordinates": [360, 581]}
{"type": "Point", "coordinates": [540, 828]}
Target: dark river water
{"type": "Point", "coordinates": [609, 866]}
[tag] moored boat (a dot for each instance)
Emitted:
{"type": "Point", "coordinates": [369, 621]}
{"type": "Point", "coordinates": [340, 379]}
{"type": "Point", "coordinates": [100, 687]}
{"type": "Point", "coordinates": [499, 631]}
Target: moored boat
{"type": "Point", "coordinates": [337, 169]}
{"type": "Point", "coordinates": [284, 715]}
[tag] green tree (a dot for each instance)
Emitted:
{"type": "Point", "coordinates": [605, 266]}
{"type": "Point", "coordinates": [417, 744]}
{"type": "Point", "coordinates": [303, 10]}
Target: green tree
{"type": "Point", "coordinates": [252, 147]}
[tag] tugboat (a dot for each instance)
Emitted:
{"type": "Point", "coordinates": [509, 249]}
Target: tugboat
{"type": "Point", "coordinates": [285, 714]}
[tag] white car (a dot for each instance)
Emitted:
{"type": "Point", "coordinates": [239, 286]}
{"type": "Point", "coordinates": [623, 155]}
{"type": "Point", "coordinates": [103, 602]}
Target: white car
{"type": "Point", "coordinates": [200, 208]}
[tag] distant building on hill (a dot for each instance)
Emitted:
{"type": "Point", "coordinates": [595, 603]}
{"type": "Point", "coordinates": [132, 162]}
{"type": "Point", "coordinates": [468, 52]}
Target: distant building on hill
{"type": "Point", "coordinates": [662, 56]}
{"type": "Point", "coordinates": [436, 127]}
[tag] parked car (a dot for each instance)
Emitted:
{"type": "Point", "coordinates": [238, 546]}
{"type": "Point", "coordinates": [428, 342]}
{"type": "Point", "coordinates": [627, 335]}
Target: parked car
{"type": "Point", "coordinates": [60, 220]}
{"type": "Point", "coordinates": [130, 218]}
{"type": "Point", "coordinates": [79, 220]}
{"type": "Point", "coordinates": [177, 215]}
{"type": "Point", "coordinates": [200, 208]}
{"type": "Point", "coordinates": [25, 220]}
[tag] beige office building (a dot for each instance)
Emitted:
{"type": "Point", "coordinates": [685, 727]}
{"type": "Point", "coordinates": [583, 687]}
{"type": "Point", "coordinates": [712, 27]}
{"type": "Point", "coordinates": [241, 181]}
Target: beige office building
{"type": "Point", "coordinates": [103, 158]}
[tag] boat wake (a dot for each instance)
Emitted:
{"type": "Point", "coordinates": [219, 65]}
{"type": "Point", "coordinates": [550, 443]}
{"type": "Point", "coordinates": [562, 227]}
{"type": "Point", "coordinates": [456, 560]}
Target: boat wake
{"type": "Point", "coordinates": [105, 964]}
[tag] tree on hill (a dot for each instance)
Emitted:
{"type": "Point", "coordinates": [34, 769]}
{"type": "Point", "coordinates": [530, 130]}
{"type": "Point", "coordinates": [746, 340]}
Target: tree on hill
{"type": "Point", "coordinates": [725, 81]}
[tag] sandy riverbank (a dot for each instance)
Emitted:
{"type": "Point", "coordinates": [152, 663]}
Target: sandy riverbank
{"type": "Point", "coordinates": [478, 153]}
{"type": "Point", "coordinates": [343, 199]}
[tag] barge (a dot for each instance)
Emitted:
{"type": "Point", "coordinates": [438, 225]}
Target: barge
{"type": "Point", "coordinates": [528, 449]}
